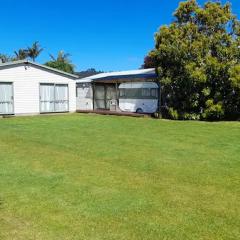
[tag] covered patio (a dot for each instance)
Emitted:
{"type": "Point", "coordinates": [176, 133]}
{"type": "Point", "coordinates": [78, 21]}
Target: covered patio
{"type": "Point", "coordinates": [100, 93]}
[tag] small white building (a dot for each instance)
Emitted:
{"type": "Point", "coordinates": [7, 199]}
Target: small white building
{"type": "Point", "coordinates": [30, 88]}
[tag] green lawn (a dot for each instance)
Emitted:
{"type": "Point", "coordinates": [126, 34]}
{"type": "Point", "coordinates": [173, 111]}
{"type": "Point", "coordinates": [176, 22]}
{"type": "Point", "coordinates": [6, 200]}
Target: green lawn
{"type": "Point", "coordinates": [100, 177]}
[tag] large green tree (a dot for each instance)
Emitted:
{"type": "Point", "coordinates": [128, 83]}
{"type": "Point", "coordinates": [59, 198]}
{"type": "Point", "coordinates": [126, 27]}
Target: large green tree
{"type": "Point", "coordinates": [61, 62]}
{"type": "Point", "coordinates": [197, 59]}
{"type": "Point", "coordinates": [149, 61]}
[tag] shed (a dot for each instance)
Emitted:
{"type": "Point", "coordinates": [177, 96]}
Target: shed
{"type": "Point", "coordinates": [28, 88]}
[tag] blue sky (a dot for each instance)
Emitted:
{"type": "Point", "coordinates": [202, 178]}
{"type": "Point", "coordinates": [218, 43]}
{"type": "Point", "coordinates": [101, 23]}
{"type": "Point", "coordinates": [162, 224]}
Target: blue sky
{"type": "Point", "coordinates": [106, 35]}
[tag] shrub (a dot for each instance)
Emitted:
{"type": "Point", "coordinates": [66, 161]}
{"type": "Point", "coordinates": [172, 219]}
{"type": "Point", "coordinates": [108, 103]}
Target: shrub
{"type": "Point", "coordinates": [213, 111]}
{"type": "Point", "coordinates": [191, 116]}
{"type": "Point", "coordinates": [173, 114]}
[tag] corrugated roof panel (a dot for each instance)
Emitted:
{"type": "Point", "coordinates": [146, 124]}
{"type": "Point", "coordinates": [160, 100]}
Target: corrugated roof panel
{"type": "Point", "coordinates": [141, 73]}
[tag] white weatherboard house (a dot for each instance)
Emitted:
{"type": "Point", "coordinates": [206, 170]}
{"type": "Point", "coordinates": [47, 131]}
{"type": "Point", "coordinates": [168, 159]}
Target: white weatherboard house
{"type": "Point", "coordinates": [30, 88]}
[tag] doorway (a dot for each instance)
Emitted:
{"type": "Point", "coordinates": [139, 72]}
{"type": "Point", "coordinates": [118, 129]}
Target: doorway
{"type": "Point", "coordinates": [103, 94]}
{"type": "Point", "coordinates": [54, 98]}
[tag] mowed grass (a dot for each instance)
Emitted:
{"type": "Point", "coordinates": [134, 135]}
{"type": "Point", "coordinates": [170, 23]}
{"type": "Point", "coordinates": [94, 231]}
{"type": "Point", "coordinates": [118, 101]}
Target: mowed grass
{"type": "Point", "coordinates": [101, 177]}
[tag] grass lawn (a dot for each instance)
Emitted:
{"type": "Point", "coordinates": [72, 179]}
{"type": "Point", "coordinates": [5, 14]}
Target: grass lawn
{"type": "Point", "coordinates": [100, 177]}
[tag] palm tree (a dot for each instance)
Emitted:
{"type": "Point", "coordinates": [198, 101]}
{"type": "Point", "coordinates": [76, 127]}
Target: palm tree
{"type": "Point", "coordinates": [5, 58]}
{"type": "Point", "coordinates": [61, 62]}
{"type": "Point", "coordinates": [61, 57]}
{"type": "Point", "coordinates": [34, 51]}
{"type": "Point", "coordinates": [21, 54]}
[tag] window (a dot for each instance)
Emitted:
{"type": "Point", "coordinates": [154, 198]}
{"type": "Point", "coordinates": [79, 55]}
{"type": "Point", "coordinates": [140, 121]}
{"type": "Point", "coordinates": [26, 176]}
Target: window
{"type": "Point", "coordinates": [154, 93]}
{"type": "Point", "coordinates": [84, 91]}
{"type": "Point", "coordinates": [138, 93]}
{"type": "Point", "coordinates": [122, 92]}
{"type": "Point", "coordinates": [146, 92]}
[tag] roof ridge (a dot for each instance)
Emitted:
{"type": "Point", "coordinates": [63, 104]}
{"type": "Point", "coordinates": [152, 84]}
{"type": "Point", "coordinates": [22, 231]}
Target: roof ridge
{"type": "Point", "coordinates": [26, 61]}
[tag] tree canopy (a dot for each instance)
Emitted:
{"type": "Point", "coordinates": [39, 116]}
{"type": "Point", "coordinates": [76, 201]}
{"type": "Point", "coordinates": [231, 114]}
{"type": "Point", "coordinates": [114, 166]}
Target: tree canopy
{"type": "Point", "coordinates": [23, 53]}
{"type": "Point", "coordinates": [34, 51]}
{"type": "Point", "coordinates": [20, 54]}
{"type": "Point", "coordinates": [149, 61]}
{"type": "Point", "coordinates": [4, 58]}
{"type": "Point", "coordinates": [197, 58]}
{"type": "Point", "coordinates": [61, 62]}
{"type": "Point", "coordinates": [89, 72]}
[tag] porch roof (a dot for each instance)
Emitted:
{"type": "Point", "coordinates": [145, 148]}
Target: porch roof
{"type": "Point", "coordinates": [123, 76]}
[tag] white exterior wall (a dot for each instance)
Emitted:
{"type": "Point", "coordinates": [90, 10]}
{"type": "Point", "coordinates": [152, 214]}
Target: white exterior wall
{"type": "Point", "coordinates": [26, 81]}
{"type": "Point", "coordinates": [85, 98]}
{"type": "Point", "coordinates": [132, 105]}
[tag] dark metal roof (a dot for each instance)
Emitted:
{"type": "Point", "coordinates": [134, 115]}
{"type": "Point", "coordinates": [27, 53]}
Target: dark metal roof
{"type": "Point", "coordinates": [124, 76]}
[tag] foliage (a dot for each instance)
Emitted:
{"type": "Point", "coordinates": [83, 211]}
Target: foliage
{"type": "Point", "coordinates": [173, 114]}
{"type": "Point", "coordinates": [5, 58]}
{"type": "Point", "coordinates": [89, 72]}
{"type": "Point", "coordinates": [149, 61]}
{"type": "Point", "coordinates": [213, 111]}
{"type": "Point", "coordinates": [62, 62]}
{"type": "Point", "coordinates": [197, 59]}
{"type": "Point", "coordinates": [191, 116]}
{"type": "Point", "coordinates": [21, 54]}
{"type": "Point", "coordinates": [34, 51]}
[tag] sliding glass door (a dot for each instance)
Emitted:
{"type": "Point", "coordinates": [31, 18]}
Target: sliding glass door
{"type": "Point", "coordinates": [47, 98]}
{"type": "Point", "coordinates": [54, 98]}
{"type": "Point", "coordinates": [6, 98]}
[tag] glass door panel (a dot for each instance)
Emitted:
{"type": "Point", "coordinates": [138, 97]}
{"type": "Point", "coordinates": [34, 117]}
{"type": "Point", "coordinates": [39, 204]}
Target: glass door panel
{"type": "Point", "coordinates": [47, 98]}
{"type": "Point", "coordinates": [6, 98]}
{"type": "Point", "coordinates": [61, 98]}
